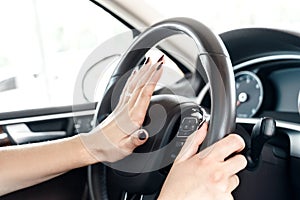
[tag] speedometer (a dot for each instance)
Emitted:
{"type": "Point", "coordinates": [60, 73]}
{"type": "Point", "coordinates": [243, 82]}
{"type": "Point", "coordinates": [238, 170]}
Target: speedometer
{"type": "Point", "coordinates": [249, 92]}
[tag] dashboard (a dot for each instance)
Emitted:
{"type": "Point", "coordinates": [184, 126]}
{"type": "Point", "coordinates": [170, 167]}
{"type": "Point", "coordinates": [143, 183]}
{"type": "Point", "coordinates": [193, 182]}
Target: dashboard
{"type": "Point", "coordinates": [266, 64]}
{"type": "Point", "coordinates": [269, 88]}
{"type": "Point", "coordinates": [249, 92]}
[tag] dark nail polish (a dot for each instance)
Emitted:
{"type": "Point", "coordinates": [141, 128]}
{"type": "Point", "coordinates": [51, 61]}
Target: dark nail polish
{"type": "Point", "coordinates": [142, 135]}
{"type": "Point", "coordinates": [143, 60]}
{"type": "Point", "coordinates": [159, 66]}
{"type": "Point", "coordinates": [148, 59]}
{"type": "Point", "coordinates": [133, 72]}
{"type": "Point", "coordinates": [161, 58]}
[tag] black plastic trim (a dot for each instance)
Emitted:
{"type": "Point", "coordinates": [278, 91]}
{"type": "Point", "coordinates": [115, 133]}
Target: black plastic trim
{"type": "Point", "coordinates": [46, 111]}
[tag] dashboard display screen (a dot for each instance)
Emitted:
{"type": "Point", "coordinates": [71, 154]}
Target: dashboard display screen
{"type": "Point", "coordinates": [287, 87]}
{"type": "Point", "coordinates": [249, 93]}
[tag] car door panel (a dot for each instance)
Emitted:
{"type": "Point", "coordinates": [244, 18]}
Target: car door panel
{"type": "Point", "coordinates": [69, 186]}
{"type": "Point", "coordinates": [43, 125]}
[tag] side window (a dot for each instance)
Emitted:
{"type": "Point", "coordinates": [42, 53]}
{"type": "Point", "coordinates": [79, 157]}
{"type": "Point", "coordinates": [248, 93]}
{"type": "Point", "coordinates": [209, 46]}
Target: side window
{"type": "Point", "coordinates": [42, 47]}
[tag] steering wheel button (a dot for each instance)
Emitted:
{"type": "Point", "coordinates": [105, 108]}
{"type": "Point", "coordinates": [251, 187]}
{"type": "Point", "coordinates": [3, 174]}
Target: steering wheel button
{"type": "Point", "coordinates": [183, 133]}
{"type": "Point", "coordinates": [173, 155]}
{"type": "Point", "coordinates": [188, 124]}
{"type": "Point", "coordinates": [186, 127]}
{"type": "Point", "coordinates": [179, 144]}
{"type": "Point", "coordinates": [191, 120]}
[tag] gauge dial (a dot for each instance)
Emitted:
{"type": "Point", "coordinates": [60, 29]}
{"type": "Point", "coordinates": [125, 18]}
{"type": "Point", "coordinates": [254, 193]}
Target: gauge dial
{"type": "Point", "coordinates": [249, 92]}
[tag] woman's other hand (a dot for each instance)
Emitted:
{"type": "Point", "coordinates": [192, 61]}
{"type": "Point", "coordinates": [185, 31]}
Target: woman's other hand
{"type": "Point", "coordinates": [208, 174]}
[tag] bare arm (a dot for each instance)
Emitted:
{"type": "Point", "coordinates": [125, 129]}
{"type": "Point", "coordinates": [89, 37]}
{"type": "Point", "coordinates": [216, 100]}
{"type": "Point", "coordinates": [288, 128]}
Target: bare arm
{"type": "Point", "coordinates": [113, 139]}
{"type": "Point", "coordinates": [26, 165]}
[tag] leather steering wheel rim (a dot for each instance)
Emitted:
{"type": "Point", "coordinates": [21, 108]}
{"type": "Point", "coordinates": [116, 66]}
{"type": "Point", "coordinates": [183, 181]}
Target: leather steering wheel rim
{"type": "Point", "coordinates": [214, 59]}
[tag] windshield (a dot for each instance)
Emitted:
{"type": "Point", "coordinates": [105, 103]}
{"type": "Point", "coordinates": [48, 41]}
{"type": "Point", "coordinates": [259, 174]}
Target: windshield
{"type": "Point", "coordinates": [227, 15]}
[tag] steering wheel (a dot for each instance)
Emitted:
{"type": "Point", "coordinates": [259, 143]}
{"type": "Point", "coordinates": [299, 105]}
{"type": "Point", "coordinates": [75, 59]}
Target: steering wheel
{"type": "Point", "coordinates": [143, 172]}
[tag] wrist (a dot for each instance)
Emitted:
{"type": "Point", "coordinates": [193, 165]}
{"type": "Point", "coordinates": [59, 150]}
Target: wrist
{"type": "Point", "coordinates": [87, 150]}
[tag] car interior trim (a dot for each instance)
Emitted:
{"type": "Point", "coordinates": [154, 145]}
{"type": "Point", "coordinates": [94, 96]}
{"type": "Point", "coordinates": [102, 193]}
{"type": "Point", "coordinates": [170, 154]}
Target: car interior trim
{"type": "Point", "coordinates": [47, 117]}
{"type": "Point", "coordinates": [266, 59]}
{"type": "Point", "coordinates": [242, 65]}
{"type": "Point", "coordinates": [21, 134]}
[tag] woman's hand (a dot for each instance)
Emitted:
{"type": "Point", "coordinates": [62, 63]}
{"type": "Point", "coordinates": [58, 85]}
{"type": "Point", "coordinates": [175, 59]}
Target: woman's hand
{"type": "Point", "coordinates": [119, 134]}
{"type": "Point", "coordinates": [111, 140]}
{"type": "Point", "coordinates": [206, 175]}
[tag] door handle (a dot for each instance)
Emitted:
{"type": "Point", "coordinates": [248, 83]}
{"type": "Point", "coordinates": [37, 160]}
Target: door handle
{"type": "Point", "coordinates": [21, 134]}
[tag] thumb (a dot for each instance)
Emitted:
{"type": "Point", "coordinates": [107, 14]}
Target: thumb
{"type": "Point", "coordinates": [192, 144]}
{"type": "Point", "coordinates": [138, 138]}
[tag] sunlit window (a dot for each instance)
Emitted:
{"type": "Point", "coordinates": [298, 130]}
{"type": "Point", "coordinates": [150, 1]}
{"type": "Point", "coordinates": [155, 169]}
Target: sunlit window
{"type": "Point", "coordinates": [226, 15]}
{"type": "Point", "coordinates": [42, 47]}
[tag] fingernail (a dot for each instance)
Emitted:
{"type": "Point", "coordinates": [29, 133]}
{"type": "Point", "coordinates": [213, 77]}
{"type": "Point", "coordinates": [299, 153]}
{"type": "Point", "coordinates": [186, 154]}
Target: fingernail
{"type": "Point", "coordinates": [142, 135]}
{"type": "Point", "coordinates": [159, 66]}
{"type": "Point", "coordinates": [143, 61]}
{"type": "Point", "coordinates": [148, 59]}
{"type": "Point", "coordinates": [161, 58]}
{"type": "Point", "coordinates": [134, 71]}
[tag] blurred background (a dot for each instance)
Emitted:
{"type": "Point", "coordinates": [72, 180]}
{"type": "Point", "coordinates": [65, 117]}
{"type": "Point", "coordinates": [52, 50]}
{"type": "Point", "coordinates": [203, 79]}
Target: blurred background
{"type": "Point", "coordinates": [43, 43]}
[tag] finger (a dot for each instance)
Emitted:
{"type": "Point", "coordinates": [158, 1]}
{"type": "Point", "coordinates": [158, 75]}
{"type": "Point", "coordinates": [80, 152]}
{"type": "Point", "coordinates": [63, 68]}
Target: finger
{"type": "Point", "coordinates": [235, 164]}
{"type": "Point", "coordinates": [143, 80]}
{"type": "Point", "coordinates": [141, 103]}
{"type": "Point", "coordinates": [139, 74]}
{"type": "Point", "coordinates": [136, 139]}
{"type": "Point", "coordinates": [145, 77]}
{"type": "Point", "coordinates": [227, 146]}
{"type": "Point", "coordinates": [192, 144]}
{"type": "Point", "coordinates": [133, 80]}
{"type": "Point", "coordinates": [126, 90]}
{"type": "Point", "coordinates": [233, 183]}
{"type": "Point", "coordinates": [147, 87]}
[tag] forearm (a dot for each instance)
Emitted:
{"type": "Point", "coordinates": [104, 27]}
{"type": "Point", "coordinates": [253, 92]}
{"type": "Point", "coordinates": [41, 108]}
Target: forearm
{"type": "Point", "coordinates": [26, 165]}
{"type": "Point", "coordinates": [110, 141]}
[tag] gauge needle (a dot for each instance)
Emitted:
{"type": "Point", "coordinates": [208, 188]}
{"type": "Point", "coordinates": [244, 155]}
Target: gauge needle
{"type": "Point", "coordinates": [238, 103]}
